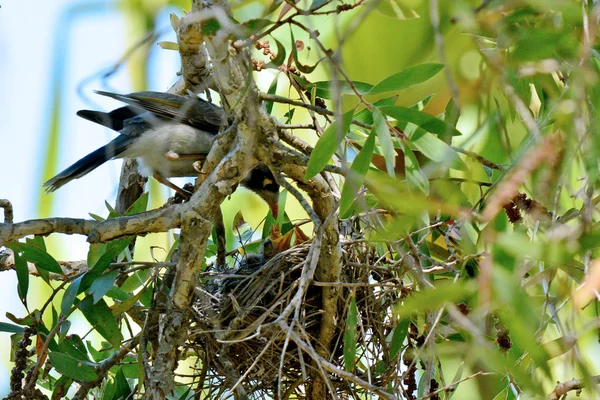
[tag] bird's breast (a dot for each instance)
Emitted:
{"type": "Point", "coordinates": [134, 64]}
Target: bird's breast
{"type": "Point", "coordinates": [170, 150]}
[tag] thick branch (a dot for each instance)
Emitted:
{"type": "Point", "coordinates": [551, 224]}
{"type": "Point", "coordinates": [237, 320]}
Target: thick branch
{"type": "Point", "coordinates": [574, 384]}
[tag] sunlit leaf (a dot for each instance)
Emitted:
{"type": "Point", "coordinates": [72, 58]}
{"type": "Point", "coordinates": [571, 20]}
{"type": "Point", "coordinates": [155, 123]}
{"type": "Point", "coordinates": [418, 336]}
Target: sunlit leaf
{"type": "Point", "coordinates": [411, 76]}
{"type": "Point", "coordinates": [327, 145]}
{"type": "Point", "coordinates": [356, 177]}
{"type": "Point", "coordinates": [421, 119]}
{"type": "Point", "coordinates": [385, 141]}
{"type": "Point", "coordinates": [415, 177]}
{"type": "Point", "coordinates": [167, 45]}
{"type": "Point", "coordinates": [433, 299]}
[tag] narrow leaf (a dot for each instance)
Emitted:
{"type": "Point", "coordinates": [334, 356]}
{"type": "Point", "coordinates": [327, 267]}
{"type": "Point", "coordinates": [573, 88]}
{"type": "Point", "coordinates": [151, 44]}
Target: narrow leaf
{"type": "Point", "coordinates": [22, 277]}
{"type": "Point", "coordinates": [385, 141]}
{"type": "Point", "coordinates": [279, 57]}
{"type": "Point", "coordinates": [409, 77]}
{"type": "Point", "coordinates": [10, 328]}
{"type": "Point", "coordinates": [358, 170]}
{"type": "Point", "coordinates": [415, 177]}
{"type": "Point", "coordinates": [69, 296]}
{"type": "Point", "coordinates": [365, 115]}
{"type": "Point", "coordinates": [421, 119]}
{"type": "Point", "coordinates": [398, 337]}
{"type": "Point", "coordinates": [350, 334]}
{"type": "Point", "coordinates": [327, 145]}
{"type": "Point", "coordinates": [37, 256]}
{"type": "Point", "coordinates": [140, 205]}
{"type": "Point", "coordinates": [325, 91]}
{"type": "Point", "coordinates": [307, 69]}
{"type": "Point", "coordinates": [167, 45]}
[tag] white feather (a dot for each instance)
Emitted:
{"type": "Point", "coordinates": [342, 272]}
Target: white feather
{"type": "Point", "coordinates": [152, 146]}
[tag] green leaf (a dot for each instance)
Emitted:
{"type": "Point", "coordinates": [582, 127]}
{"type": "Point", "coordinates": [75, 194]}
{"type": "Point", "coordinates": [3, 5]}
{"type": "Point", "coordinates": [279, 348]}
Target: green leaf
{"type": "Point", "coordinates": [72, 367]}
{"type": "Point", "coordinates": [61, 387]}
{"type": "Point", "coordinates": [421, 119]}
{"type": "Point", "coordinates": [140, 205]}
{"type": "Point", "coordinates": [356, 177]}
{"type": "Point", "coordinates": [10, 328]}
{"type": "Point", "coordinates": [124, 306]}
{"type": "Point", "coordinates": [327, 145]}
{"type": "Point", "coordinates": [434, 149]}
{"type": "Point", "coordinates": [324, 88]}
{"type": "Point", "coordinates": [68, 346]}
{"type": "Point", "coordinates": [38, 241]}
{"type": "Point", "coordinates": [400, 332]}
{"type": "Point", "coordinates": [167, 45]}
{"type": "Point", "coordinates": [37, 256]}
{"type": "Point", "coordinates": [433, 299]}
{"type": "Point", "coordinates": [350, 334]}
{"type": "Point", "coordinates": [70, 295]}
{"type": "Point", "coordinates": [415, 177]}
{"type": "Point", "coordinates": [306, 69]}
{"type": "Point", "coordinates": [102, 284]}
{"type": "Point", "coordinates": [22, 277]}
{"type": "Point", "coordinates": [409, 77]}
{"type": "Point", "coordinates": [112, 250]}
{"type": "Point", "coordinates": [385, 141]}
{"type": "Point", "coordinates": [365, 115]}
{"type": "Point", "coordinates": [457, 376]}
{"type": "Point", "coordinates": [279, 57]}
{"type": "Point", "coordinates": [316, 4]}
{"type": "Point", "coordinates": [255, 25]}
{"type": "Point", "coordinates": [101, 318]}
{"type": "Point", "coordinates": [122, 387]}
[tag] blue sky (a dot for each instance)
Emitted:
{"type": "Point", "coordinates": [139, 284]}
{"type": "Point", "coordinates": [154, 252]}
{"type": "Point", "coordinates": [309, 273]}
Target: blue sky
{"type": "Point", "coordinates": [48, 45]}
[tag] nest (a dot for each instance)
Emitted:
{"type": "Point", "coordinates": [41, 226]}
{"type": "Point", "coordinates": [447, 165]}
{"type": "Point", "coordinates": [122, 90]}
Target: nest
{"type": "Point", "coordinates": [239, 342]}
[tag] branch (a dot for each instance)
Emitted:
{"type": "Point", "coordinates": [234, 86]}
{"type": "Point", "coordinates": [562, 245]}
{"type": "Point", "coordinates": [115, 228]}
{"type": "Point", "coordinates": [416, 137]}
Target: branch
{"type": "Point", "coordinates": [331, 367]}
{"type": "Point", "coordinates": [574, 384]}
{"type": "Point", "coordinates": [8, 210]}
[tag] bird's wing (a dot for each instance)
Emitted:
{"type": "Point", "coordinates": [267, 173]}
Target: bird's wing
{"type": "Point", "coordinates": [90, 162]}
{"type": "Point", "coordinates": [191, 111]}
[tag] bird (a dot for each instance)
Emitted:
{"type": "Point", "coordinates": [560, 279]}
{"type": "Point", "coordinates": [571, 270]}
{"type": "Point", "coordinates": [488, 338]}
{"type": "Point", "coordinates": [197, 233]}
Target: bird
{"type": "Point", "coordinates": [168, 134]}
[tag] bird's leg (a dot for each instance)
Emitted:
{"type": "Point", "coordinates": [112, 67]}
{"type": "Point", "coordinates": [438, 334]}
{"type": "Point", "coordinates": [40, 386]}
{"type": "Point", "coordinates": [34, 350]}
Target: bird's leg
{"type": "Point", "coordinates": [171, 185]}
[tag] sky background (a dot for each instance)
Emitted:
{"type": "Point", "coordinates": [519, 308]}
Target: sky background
{"type": "Point", "coordinates": [48, 46]}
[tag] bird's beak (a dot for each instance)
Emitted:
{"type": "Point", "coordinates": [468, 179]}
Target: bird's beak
{"type": "Point", "coordinates": [272, 199]}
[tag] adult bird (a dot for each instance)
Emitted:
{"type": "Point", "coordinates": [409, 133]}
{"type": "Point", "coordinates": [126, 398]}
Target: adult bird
{"type": "Point", "coordinates": [168, 134]}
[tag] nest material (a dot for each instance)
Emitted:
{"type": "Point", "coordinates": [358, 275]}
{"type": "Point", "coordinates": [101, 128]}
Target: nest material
{"type": "Point", "coordinates": [235, 337]}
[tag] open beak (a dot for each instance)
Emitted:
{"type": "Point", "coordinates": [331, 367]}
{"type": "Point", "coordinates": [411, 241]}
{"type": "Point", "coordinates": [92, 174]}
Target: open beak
{"type": "Point", "coordinates": [272, 199]}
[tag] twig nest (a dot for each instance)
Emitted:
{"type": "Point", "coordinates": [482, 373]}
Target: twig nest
{"type": "Point", "coordinates": [235, 334]}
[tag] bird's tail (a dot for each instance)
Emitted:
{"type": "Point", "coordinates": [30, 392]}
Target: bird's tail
{"type": "Point", "coordinates": [113, 120]}
{"type": "Point", "coordinates": [89, 163]}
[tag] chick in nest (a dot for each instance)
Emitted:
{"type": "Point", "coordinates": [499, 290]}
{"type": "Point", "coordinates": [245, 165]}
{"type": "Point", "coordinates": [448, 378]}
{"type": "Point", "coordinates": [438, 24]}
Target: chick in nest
{"type": "Point", "coordinates": [249, 265]}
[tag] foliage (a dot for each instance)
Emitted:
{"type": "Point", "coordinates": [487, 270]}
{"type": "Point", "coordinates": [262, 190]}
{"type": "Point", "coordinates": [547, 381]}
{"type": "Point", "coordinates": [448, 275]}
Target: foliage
{"type": "Point", "coordinates": [474, 187]}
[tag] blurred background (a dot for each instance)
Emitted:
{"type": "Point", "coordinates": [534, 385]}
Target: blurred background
{"type": "Point", "coordinates": [53, 54]}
